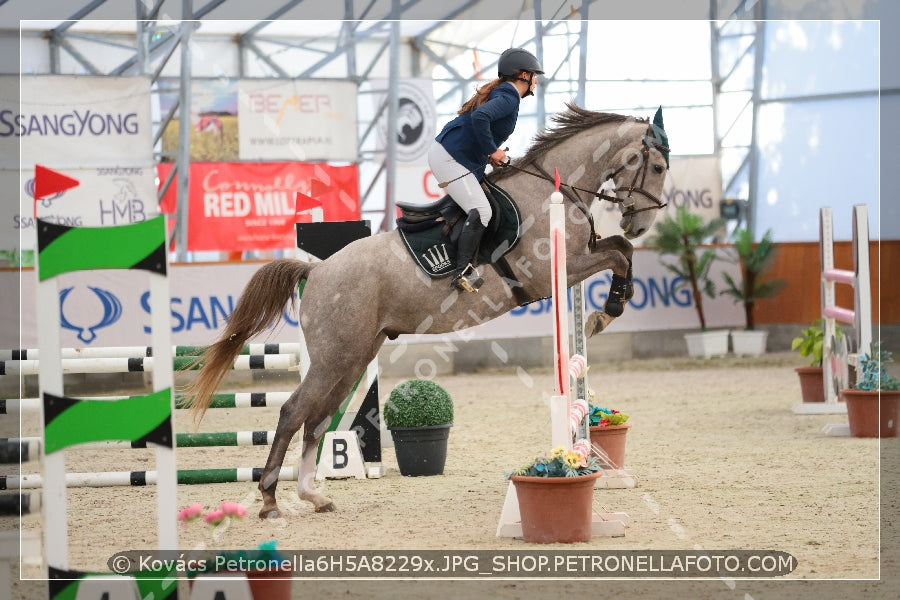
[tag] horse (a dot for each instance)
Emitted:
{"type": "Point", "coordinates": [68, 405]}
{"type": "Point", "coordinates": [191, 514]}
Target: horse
{"type": "Point", "coordinates": [371, 290]}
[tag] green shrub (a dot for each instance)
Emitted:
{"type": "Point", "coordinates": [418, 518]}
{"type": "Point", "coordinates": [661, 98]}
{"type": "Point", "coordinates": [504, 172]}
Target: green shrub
{"type": "Point", "coordinates": [418, 403]}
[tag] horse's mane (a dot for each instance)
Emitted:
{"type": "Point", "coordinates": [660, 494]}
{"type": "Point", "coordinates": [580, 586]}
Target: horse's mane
{"type": "Point", "coordinates": [570, 122]}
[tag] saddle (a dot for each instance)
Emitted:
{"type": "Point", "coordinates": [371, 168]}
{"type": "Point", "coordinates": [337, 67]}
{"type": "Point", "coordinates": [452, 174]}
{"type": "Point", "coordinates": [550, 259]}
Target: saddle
{"type": "Point", "coordinates": [430, 231]}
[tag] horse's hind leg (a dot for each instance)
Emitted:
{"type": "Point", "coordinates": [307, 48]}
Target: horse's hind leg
{"type": "Point", "coordinates": [310, 406]}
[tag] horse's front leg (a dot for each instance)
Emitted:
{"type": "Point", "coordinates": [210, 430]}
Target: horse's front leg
{"type": "Point", "coordinates": [612, 253]}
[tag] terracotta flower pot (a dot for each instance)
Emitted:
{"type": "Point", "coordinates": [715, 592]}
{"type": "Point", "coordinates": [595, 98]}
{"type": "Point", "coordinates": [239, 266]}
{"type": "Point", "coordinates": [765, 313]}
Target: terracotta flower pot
{"type": "Point", "coordinates": [812, 384]}
{"type": "Point", "coordinates": [863, 412]}
{"type": "Point", "coordinates": [555, 509]}
{"type": "Point", "coordinates": [270, 585]}
{"type": "Point", "coordinates": [612, 440]}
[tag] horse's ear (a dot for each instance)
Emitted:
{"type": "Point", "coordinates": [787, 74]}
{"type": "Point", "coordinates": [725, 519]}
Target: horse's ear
{"type": "Point", "coordinates": [660, 136]}
{"type": "Point", "coordinates": [657, 119]}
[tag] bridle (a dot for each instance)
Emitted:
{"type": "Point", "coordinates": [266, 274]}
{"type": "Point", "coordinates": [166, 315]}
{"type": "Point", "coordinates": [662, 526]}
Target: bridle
{"type": "Point", "coordinates": [636, 187]}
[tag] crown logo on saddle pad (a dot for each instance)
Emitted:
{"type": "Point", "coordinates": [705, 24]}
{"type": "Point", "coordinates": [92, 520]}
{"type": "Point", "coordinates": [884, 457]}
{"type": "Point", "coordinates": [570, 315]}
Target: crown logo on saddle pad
{"type": "Point", "coordinates": [437, 257]}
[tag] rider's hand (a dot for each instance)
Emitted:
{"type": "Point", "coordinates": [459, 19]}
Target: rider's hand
{"type": "Point", "coordinates": [498, 157]}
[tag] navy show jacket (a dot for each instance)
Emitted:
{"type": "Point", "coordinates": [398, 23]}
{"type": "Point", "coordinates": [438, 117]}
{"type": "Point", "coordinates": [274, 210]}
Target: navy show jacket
{"type": "Point", "coordinates": [472, 136]}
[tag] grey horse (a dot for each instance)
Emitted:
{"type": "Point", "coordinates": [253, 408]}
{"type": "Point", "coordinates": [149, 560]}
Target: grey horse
{"type": "Point", "coordinates": [371, 290]}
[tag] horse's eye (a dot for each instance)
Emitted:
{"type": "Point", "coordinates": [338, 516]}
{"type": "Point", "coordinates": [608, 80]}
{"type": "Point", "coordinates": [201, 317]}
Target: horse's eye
{"type": "Point", "coordinates": [658, 169]}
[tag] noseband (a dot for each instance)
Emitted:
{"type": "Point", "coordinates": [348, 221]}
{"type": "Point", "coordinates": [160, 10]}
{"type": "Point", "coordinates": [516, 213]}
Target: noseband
{"type": "Point", "coordinates": [636, 187]}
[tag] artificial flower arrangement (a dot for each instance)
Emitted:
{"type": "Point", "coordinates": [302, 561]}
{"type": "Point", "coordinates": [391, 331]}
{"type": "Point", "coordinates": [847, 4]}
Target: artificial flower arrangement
{"type": "Point", "coordinates": [265, 557]}
{"type": "Point", "coordinates": [559, 462]}
{"type": "Point", "coordinates": [604, 417]}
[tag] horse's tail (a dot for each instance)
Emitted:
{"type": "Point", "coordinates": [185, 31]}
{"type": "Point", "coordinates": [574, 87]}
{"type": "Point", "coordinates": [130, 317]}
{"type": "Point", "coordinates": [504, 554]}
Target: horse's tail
{"type": "Point", "coordinates": [259, 307]}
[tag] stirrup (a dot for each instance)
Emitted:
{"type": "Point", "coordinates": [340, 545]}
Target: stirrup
{"type": "Point", "coordinates": [468, 280]}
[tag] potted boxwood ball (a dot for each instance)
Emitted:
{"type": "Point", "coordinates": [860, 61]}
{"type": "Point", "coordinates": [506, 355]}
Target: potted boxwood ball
{"type": "Point", "coordinates": [419, 414]}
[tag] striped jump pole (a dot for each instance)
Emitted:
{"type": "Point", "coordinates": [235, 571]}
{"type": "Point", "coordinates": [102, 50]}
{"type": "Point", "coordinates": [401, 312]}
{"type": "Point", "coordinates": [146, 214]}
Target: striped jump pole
{"type": "Point", "coordinates": [31, 445]}
{"type": "Point", "coordinates": [15, 450]}
{"type": "Point", "coordinates": [144, 364]}
{"type": "Point", "coordinates": [145, 478]}
{"type": "Point", "coordinates": [566, 417]}
{"type": "Point", "coordinates": [16, 504]}
{"type": "Point", "coordinates": [144, 351]}
{"type": "Point", "coordinates": [236, 400]}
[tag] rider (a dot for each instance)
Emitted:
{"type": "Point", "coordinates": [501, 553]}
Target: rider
{"type": "Point", "coordinates": [466, 144]}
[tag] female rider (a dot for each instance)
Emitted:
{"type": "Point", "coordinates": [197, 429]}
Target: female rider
{"type": "Point", "coordinates": [466, 144]}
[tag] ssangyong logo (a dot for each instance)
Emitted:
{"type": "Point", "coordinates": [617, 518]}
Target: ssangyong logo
{"type": "Point", "coordinates": [87, 322]}
{"type": "Point", "coordinates": [46, 201]}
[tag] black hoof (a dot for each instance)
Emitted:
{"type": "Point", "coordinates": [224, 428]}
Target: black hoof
{"type": "Point", "coordinates": [614, 309]}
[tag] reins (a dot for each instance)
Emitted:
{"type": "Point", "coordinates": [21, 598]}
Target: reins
{"type": "Point", "coordinates": [572, 193]}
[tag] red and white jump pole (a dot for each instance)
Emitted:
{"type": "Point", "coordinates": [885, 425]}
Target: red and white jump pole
{"type": "Point", "coordinates": [565, 415]}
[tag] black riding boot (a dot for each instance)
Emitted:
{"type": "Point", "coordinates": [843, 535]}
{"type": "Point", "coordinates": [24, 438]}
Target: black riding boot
{"type": "Point", "coordinates": [467, 278]}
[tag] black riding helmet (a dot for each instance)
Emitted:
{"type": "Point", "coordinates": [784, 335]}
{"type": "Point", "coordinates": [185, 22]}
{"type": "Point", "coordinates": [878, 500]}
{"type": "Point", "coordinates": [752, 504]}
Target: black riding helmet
{"type": "Point", "coordinates": [517, 59]}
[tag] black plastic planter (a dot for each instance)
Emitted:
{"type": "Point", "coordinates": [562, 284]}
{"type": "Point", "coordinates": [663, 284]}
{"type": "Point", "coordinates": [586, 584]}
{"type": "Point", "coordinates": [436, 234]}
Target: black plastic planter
{"type": "Point", "coordinates": [421, 450]}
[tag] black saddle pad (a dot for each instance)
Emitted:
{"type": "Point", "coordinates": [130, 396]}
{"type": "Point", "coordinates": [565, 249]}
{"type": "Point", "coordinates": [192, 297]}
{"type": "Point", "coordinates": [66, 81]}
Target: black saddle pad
{"type": "Point", "coordinates": [434, 248]}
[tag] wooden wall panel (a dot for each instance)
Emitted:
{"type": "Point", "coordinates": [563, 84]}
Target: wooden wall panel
{"type": "Point", "coordinates": [800, 302]}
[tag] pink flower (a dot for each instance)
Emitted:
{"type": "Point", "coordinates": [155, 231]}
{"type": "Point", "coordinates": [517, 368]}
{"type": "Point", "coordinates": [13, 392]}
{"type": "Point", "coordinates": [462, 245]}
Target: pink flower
{"type": "Point", "coordinates": [214, 517]}
{"type": "Point", "coordinates": [190, 513]}
{"type": "Point", "coordinates": [233, 509]}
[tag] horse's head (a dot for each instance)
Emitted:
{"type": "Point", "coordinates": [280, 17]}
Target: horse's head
{"type": "Point", "coordinates": [638, 181]}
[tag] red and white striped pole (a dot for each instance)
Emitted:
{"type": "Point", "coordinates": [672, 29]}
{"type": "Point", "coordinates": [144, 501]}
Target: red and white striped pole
{"type": "Point", "coordinates": [560, 405]}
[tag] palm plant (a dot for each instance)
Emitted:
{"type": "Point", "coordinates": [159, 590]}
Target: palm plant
{"type": "Point", "coordinates": [681, 236]}
{"type": "Point", "coordinates": [754, 260]}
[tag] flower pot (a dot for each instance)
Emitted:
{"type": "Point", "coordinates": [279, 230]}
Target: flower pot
{"type": "Point", "coordinates": [812, 384]}
{"type": "Point", "coordinates": [612, 440]}
{"type": "Point", "coordinates": [421, 450]}
{"type": "Point", "coordinates": [707, 343]}
{"type": "Point", "coordinates": [863, 412]}
{"type": "Point", "coordinates": [748, 342]}
{"type": "Point", "coordinates": [555, 509]}
{"type": "Point", "coordinates": [270, 585]}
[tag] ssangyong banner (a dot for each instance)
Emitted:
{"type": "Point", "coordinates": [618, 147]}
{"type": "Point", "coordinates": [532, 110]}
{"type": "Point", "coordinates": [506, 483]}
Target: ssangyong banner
{"type": "Point", "coordinates": [300, 119]}
{"type": "Point", "coordinates": [694, 182]}
{"type": "Point", "coordinates": [81, 121]}
{"type": "Point", "coordinates": [105, 196]}
{"type": "Point", "coordinates": [250, 206]}
{"type": "Point", "coordinates": [111, 308]}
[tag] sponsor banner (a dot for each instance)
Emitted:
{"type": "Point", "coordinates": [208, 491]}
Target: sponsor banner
{"type": "Point", "coordinates": [305, 120]}
{"type": "Point", "coordinates": [80, 122]}
{"type": "Point", "coordinates": [695, 182]}
{"type": "Point", "coordinates": [111, 308]}
{"type": "Point", "coordinates": [9, 107]}
{"type": "Point", "coordinates": [417, 184]}
{"type": "Point", "coordinates": [105, 196]}
{"type": "Point", "coordinates": [213, 119]}
{"type": "Point", "coordinates": [416, 118]}
{"type": "Point", "coordinates": [250, 206]}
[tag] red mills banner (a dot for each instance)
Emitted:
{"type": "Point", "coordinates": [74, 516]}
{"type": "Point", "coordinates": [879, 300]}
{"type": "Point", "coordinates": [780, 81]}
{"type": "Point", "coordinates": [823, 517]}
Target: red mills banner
{"type": "Point", "coordinates": [250, 206]}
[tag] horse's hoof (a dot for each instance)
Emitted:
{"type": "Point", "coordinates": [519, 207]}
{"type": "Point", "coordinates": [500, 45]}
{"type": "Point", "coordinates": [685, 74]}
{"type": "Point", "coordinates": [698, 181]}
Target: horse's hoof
{"type": "Point", "coordinates": [596, 322]}
{"type": "Point", "coordinates": [270, 513]}
{"type": "Point", "coordinates": [614, 309]}
{"type": "Point", "coordinates": [326, 508]}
